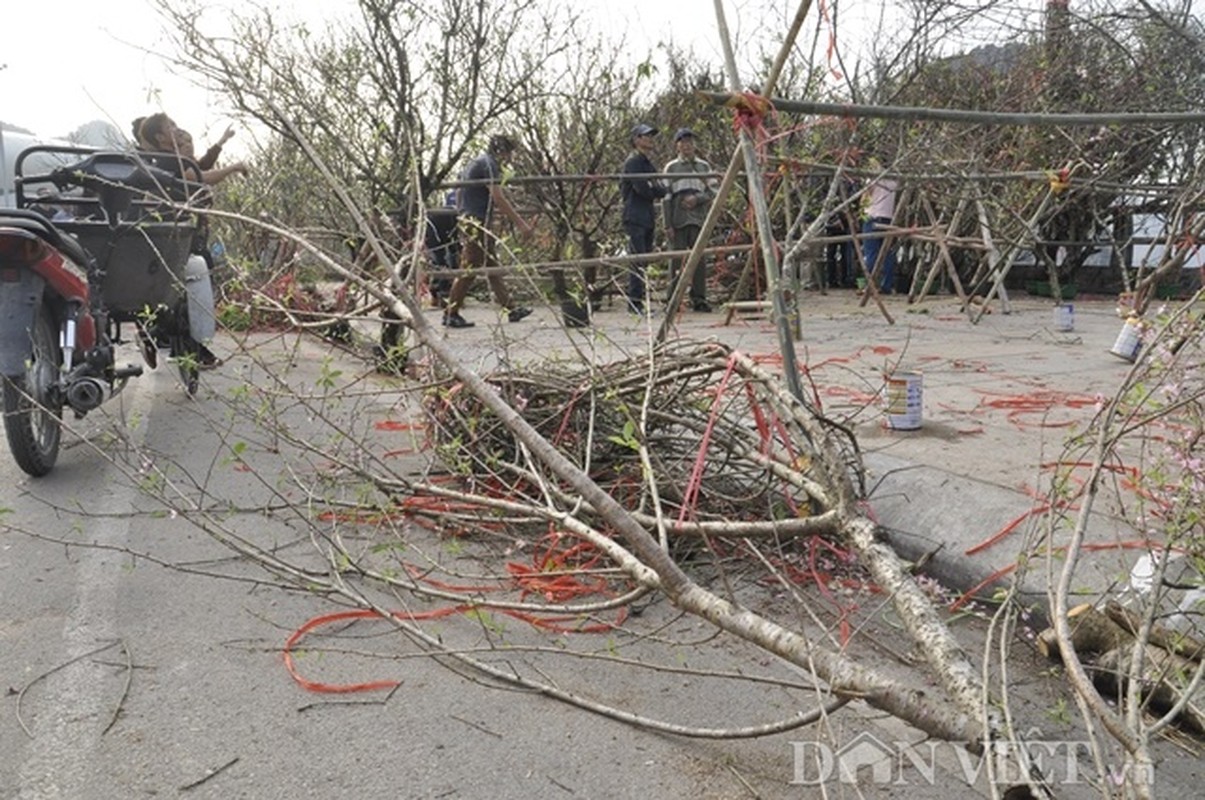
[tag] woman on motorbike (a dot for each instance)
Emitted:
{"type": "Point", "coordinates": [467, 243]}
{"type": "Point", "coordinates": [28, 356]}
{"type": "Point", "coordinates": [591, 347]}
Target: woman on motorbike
{"type": "Point", "coordinates": [159, 133]}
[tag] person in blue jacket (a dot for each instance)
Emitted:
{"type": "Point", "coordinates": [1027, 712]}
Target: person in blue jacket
{"type": "Point", "coordinates": [639, 194]}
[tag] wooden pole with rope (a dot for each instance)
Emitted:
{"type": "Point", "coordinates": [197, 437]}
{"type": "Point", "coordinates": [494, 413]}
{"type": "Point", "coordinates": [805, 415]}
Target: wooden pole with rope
{"type": "Point", "coordinates": [747, 109]}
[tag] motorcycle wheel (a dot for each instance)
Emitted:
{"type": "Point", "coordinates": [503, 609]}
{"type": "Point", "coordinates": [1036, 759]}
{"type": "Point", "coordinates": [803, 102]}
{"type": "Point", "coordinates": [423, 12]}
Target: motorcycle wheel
{"type": "Point", "coordinates": [188, 360]}
{"type": "Point", "coordinates": [33, 409]}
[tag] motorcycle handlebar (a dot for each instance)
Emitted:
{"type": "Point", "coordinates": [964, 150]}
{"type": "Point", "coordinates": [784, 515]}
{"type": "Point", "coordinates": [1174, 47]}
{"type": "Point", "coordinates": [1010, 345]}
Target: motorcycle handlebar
{"type": "Point", "coordinates": [107, 172]}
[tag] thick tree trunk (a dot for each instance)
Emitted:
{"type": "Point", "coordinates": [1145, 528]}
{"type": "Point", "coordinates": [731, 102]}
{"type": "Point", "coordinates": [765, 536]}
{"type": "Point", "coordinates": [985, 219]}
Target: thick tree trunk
{"type": "Point", "coordinates": [1107, 649]}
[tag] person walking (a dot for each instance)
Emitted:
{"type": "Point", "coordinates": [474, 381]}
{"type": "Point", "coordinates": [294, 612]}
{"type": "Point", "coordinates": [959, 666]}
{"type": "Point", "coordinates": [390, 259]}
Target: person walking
{"type": "Point", "coordinates": [880, 211]}
{"type": "Point", "coordinates": [639, 193]}
{"type": "Point", "coordinates": [442, 243]}
{"type": "Point", "coordinates": [690, 198]}
{"type": "Point", "coordinates": [478, 205]}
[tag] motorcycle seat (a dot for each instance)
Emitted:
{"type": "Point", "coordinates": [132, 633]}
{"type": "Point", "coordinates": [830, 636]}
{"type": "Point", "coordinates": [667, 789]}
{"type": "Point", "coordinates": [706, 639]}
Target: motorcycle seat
{"type": "Point", "coordinates": [38, 225]}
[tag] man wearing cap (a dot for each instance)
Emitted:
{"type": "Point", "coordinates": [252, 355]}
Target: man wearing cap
{"type": "Point", "coordinates": [639, 221]}
{"type": "Point", "coordinates": [690, 198]}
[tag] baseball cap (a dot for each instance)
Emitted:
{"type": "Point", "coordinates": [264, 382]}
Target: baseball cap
{"type": "Point", "coordinates": [682, 133]}
{"type": "Point", "coordinates": [500, 144]}
{"type": "Point", "coordinates": [643, 129]}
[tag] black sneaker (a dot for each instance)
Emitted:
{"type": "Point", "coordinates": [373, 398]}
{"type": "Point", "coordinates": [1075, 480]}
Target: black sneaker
{"type": "Point", "coordinates": [206, 358]}
{"type": "Point", "coordinates": [701, 306]}
{"type": "Point", "coordinates": [519, 313]}
{"type": "Point", "coordinates": [457, 321]}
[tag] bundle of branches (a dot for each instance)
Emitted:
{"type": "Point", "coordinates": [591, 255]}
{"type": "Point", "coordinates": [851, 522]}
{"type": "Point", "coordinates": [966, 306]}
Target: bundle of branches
{"type": "Point", "coordinates": [694, 437]}
{"type": "Point", "coordinates": [734, 452]}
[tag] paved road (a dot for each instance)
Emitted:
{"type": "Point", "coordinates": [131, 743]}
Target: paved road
{"type": "Point", "coordinates": [126, 678]}
{"type": "Point", "coordinates": [130, 670]}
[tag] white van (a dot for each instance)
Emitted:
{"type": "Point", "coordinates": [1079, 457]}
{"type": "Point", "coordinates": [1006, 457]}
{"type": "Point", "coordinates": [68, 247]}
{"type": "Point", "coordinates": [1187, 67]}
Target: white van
{"type": "Point", "coordinates": [12, 144]}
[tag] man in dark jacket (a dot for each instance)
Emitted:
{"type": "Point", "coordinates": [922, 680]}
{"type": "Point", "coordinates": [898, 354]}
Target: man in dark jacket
{"type": "Point", "coordinates": [639, 217]}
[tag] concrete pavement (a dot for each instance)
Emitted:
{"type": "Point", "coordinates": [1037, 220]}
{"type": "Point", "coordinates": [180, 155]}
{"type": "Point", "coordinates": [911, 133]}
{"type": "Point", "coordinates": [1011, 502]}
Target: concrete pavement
{"type": "Point", "coordinates": [211, 707]}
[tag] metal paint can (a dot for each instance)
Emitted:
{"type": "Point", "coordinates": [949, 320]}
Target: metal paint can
{"type": "Point", "coordinates": [903, 400]}
{"type": "Point", "coordinates": [1129, 340]}
{"type": "Point", "coordinates": [1064, 317]}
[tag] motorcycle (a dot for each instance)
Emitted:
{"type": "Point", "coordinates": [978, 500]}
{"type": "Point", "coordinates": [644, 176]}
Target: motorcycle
{"type": "Point", "coordinates": [102, 240]}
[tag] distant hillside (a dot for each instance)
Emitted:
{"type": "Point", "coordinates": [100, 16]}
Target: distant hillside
{"type": "Point", "coordinates": [15, 128]}
{"type": "Point", "coordinates": [97, 133]}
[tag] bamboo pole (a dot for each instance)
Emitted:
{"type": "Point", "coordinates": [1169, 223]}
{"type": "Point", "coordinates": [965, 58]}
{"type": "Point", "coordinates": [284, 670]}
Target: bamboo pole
{"type": "Point", "coordinates": [729, 179]}
{"type": "Point", "coordinates": [1029, 228]}
{"type": "Point", "coordinates": [944, 259]}
{"type": "Point", "coordinates": [994, 260]}
{"type": "Point", "coordinates": [757, 196]}
{"type": "Point", "coordinates": [915, 114]}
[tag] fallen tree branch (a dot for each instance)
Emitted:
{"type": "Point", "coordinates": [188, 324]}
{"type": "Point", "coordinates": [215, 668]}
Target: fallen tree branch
{"type": "Point", "coordinates": [1169, 683]}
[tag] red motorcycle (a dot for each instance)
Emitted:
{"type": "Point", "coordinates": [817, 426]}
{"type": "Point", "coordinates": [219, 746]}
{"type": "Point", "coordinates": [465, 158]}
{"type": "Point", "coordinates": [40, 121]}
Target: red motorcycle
{"type": "Point", "coordinates": [102, 240]}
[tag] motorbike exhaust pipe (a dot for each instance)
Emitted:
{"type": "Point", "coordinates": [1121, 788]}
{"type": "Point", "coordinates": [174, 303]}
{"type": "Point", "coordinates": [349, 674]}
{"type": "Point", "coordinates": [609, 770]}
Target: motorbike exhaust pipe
{"type": "Point", "coordinates": [85, 394]}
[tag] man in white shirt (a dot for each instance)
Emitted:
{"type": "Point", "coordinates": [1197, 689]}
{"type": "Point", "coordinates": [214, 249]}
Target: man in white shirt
{"type": "Point", "coordinates": [880, 211]}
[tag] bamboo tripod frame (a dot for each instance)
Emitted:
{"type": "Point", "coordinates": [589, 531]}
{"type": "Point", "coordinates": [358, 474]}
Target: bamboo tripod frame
{"type": "Point", "coordinates": [925, 230]}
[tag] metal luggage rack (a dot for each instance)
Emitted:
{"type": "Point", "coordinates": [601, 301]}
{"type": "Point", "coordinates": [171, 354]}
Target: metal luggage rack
{"type": "Point", "coordinates": [142, 249]}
